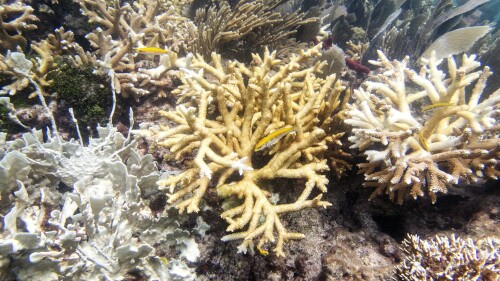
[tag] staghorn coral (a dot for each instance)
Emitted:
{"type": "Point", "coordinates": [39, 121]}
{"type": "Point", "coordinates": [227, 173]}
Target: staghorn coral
{"type": "Point", "coordinates": [246, 28]}
{"type": "Point", "coordinates": [124, 27]}
{"type": "Point", "coordinates": [235, 107]}
{"type": "Point", "coordinates": [121, 29]}
{"type": "Point", "coordinates": [422, 132]}
{"type": "Point", "coordinates": [450, 258]}
{"type": "Point", "coordinates": [15, 17]}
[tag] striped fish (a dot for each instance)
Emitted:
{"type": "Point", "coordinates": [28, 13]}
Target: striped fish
{"type": "Point", "coordinates": [273, 137]}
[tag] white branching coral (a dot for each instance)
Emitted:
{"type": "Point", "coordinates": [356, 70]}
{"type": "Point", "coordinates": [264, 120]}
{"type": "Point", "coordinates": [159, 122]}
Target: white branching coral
{"type": "Point", "coordinates": [450, 258]}
{"type": "Point", "coordinates": [422, 132]}
{"type": "Point", "coordinates": [229, 111]}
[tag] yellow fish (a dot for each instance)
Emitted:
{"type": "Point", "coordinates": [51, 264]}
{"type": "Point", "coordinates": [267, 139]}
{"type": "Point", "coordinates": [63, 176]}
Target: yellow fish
{"type": "Point", "coordinates": [422, 141]}
{"type": "Point", "coordinates": [263, 252]}
{"type": "Point", "coordinates": [164, 260]}
{"type": "Point", "coordinates": [436, 105]}
{"type": "Point", "coordinates": [273, 137]}
{"type": "Point", "coordinates": [151, 50]}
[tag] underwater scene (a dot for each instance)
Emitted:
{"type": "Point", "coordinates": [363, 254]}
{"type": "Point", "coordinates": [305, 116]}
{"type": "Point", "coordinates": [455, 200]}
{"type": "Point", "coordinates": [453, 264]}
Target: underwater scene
{"type": "Point", "coordinates": [249, 140]}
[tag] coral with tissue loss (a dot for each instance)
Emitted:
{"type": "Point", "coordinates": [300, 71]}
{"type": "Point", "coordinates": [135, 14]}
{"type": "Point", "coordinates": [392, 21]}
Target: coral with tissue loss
{"type": "Point", "coordinates": [422, 132]}
{"type": "Point", "coordinates": [228, 111]}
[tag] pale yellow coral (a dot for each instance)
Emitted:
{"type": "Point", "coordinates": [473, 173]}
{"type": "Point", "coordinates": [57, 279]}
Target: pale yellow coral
{"type": "Point", "coordinates": [124, 27]}
{"type": "Point", "coordinates": [229, 109]}
{"type": "Point", "coordinates": [434, 130]}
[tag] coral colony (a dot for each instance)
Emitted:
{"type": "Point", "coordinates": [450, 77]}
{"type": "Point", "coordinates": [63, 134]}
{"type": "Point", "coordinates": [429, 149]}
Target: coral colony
{"type": "Point", "coordinates": [266, 112]}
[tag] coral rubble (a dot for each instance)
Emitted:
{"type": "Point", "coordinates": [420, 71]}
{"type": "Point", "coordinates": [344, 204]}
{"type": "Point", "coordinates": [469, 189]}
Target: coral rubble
{"type": "Point", "coordinates": [228, 111]}
{"type": "Point", "coordinates": [422, 132]}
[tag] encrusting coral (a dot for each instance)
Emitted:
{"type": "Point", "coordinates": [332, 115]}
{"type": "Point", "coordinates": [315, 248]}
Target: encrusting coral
{"type": "Point", "coordinates": [229, 111]}
{"type": "Point", "coordinates": [450, 258]}
{"type": "Point", "coordinates": [422, 132]}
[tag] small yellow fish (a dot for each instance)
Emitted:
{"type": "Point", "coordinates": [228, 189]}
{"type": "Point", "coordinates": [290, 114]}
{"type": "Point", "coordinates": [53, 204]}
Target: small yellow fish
{"type": "Point", "coordinates": [263, 252]}
{"type": "Point", "coordinates": [273, 137]}
{"type": "Point", "coordinates": [151, 50]}
{"type": "Point", "coordinates": [422, 141]}
{"type": "Point", "coordinates": [164, 260]}
{"type": "Point", "coordinates": [436, 105]}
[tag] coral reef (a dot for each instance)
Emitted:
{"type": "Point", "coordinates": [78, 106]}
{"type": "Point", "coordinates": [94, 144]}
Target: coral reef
{"type": "Point", "coordinates": [121, 30]}
{"type": "Point", "coordinates": [37, 69]}
{"type": "Point", "coordinates": [238, 108]}
{"type": "Point", "coordinates": [422, 132]}
{"type": "Point", "coordinates": [252, 140]}
{"type": "Point", "coordinates": [450, 258]}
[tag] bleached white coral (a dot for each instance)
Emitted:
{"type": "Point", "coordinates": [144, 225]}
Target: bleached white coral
{"type": "Point", "coordinates": [101, 228]}
{"type": "Point", "coordinates": [422, 132]}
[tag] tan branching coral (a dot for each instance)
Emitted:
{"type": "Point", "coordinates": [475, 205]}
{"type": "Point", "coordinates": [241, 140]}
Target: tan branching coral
{"type": "Point", "coordinates": [450, 258]}
{"type": "Point", "coordinates": [254, 23]}
{"type": "Point", "coordinates": [236, 107]}
{"type": "Point", "coordinates": [15, 17]}
{"type": "Point", "coordinates": [125, 27]}
{"type": "Point", "coordinates": [422, 132]}
{"type": "Point", "coordinates": [47, 51]}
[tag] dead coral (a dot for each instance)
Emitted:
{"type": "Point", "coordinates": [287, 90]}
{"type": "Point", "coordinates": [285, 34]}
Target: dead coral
{"type": "Point", "coordinates": [238, 107]}
{"type": "Point", "coordinates": [425, 135]}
